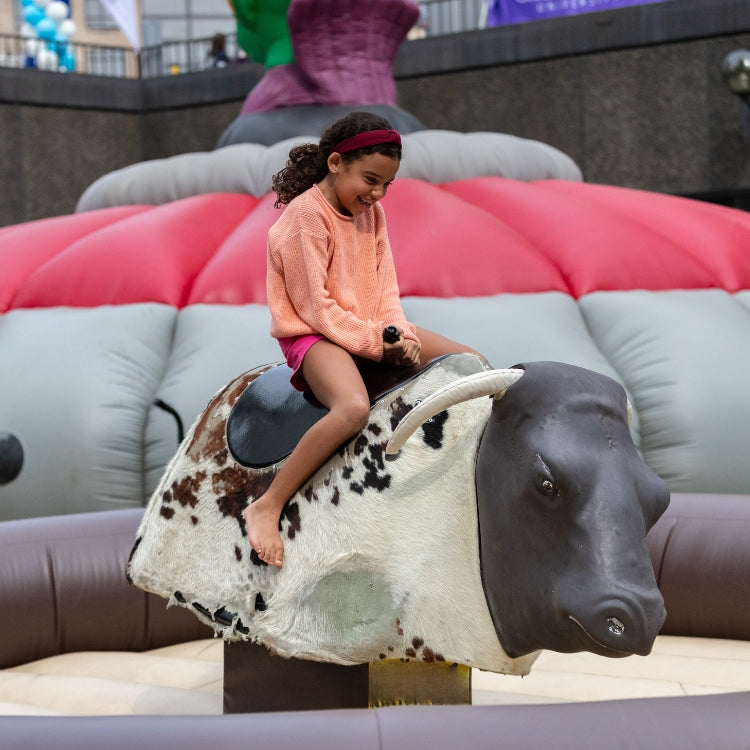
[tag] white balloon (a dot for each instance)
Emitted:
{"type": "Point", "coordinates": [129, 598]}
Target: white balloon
{"type": "Point", "coordinates": [67, 28]}
{"type": "Point", "coordinates": [42, 3]}
{"type": "Point", "coordinates": [27, 31]}
{"type": "Point", "coordinates": [57, 11]}
{"type": "Point", "coordinates": [46, 59]}
{"type": "Point", "coordinates": [33, 46]}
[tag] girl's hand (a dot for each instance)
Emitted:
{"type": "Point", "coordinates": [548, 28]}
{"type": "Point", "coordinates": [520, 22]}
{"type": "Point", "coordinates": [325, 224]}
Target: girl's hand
{"type": "Point", "coordinates": [411, 352]}
{"type": "Point", "coordinates": [403, 352]}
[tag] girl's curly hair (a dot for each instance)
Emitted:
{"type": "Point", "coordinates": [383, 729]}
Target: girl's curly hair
{"type": "Point", "coordinates": [308, 163]}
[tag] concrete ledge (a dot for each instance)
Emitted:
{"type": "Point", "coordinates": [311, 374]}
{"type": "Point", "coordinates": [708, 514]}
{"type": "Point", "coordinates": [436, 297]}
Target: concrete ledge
{"type": "Point", "coordinates": [24, 86]}
{"type": "Point", "coordinates": [47, 89]}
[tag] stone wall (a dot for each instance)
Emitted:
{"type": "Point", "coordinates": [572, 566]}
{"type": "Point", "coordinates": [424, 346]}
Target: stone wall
{"type": "Point", "coordinates": [61, 132]}
{"type": "Point", "coordinates": [634, 96]}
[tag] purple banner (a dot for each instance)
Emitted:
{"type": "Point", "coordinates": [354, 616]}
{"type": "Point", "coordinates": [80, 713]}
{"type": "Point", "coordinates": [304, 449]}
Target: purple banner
{"type": "Point", "coordinates": [517, 11]}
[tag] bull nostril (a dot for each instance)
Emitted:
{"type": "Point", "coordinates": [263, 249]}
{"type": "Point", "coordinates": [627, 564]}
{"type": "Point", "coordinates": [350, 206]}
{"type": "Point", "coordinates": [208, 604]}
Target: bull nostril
{"type": "Point", "coordinates": [624, 624]}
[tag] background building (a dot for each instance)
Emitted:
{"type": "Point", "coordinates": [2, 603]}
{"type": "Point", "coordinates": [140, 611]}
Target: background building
{"type": "Point", "coordinates": [94, 24]}
{"type": "Point", "coordinates": [160, 21]}
{"type": "Point", "coordinates": [173, 20]}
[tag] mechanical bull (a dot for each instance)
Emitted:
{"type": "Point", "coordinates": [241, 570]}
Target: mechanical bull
{"type": "Point", "coordinates": [453, 527]}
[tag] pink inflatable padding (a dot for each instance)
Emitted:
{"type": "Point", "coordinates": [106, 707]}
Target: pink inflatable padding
{"type": "Point", "coordinates": [439, 242]}
{"type": "Point", "coordinates": [26, 247]}
{"type": "Point", "coordinates": [596, 245]}
{"type": "Point", "coordinates": [715, 236]}
{"type": "Point", "coordinates": [153, 256]}
{"type": "Point", "coordinates": [479, 237]}
{"type": "Point", "coordinates": [236, 274]}
{"type": "Point", "coordinates": [444, 246]}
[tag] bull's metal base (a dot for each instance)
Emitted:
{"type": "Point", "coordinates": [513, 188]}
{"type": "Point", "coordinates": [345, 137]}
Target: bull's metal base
{"type": "Point", "coordinates": [394, 683]}
{"type": "Point", "coordinates": [255, 680]}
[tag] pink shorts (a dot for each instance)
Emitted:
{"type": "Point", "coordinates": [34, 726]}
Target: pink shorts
{"type": "Point", "coordinates": [294, 349]}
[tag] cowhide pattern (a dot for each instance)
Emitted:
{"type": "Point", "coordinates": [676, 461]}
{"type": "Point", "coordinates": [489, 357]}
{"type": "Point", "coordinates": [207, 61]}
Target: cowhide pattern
{"type": "Point", "coordinates": [381, 556]}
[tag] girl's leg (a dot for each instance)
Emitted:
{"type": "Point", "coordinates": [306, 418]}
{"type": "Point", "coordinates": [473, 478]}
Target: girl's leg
{"type": "Point", "coordinates": [435, 345]}
{"type": "Point", "coordinates": [335, 380]}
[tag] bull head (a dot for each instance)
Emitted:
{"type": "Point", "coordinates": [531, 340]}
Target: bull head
{"type": "Point", "coordinates": [564, 504]}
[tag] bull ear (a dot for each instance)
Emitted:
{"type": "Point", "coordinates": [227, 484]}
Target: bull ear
{"type": "Point", "coordinates": [487, 383]}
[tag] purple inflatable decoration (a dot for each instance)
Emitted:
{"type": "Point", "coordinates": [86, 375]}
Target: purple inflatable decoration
{"type": "Point", "coordinates": [343, 52]}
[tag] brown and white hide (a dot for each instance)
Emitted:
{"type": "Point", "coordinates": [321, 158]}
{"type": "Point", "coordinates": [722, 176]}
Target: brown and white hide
{"type": "Point", "coordinates": [381, 555]}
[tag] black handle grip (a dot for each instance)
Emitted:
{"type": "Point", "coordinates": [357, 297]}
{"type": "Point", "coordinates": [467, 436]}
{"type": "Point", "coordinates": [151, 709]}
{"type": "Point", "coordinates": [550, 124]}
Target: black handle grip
{"type": "Point", "coordinates": [391, 334]}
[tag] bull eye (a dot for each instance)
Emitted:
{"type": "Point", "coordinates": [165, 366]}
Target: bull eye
{"type": "Point", "coordinates": [545, 481]}
{"type": "Point", "coordinates": [547, 486]}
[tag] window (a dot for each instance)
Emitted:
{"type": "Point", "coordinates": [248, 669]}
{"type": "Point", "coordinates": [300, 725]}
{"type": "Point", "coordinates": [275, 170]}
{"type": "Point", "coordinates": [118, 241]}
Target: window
{"type": "Point", "coordinates": [98, 17]}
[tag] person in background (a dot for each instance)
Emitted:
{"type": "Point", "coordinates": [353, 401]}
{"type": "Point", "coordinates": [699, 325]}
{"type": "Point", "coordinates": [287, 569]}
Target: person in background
{"type": "Point", "coordinates": [217, 55]}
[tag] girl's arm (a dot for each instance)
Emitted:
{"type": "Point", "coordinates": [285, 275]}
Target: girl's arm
{"type": "Point", "coordinates": [301, 278]}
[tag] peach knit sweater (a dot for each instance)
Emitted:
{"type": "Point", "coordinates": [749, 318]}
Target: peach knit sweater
{"type": "Point", "coordinates": [333, 274]}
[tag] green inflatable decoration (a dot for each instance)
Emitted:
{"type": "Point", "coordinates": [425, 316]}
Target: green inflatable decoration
{"type": "Point", "coordinates": [262, 30]}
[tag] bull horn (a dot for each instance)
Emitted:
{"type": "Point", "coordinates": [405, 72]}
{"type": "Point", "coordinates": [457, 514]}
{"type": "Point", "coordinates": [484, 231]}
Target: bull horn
{"type": "Point", "coordinates": [486, 383]}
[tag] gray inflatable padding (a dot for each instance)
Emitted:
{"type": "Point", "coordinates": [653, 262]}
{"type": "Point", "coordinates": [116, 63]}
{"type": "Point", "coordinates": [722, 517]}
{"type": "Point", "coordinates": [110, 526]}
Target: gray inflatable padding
{"type": "Point", "coordinates": [76, 386]}
{"type": "Point", "coordinates": [685, 358]}
{"type": "Point", "coordinates": [244, 168]}
{"type": "Point", "coordinates": [212, 345]}
{"type": "Point", "coordinates": [433, 155]}
{"type": "Point", "coordinates": [446, 156]}
{"type": "Point", "coordinates": [513, 328]}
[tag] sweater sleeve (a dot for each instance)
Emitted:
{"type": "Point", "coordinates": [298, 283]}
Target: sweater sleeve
{"type": "Point", "coordinates": [304, 266]}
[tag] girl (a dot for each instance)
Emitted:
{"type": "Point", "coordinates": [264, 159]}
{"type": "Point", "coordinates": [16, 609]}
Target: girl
{"type": "Point", "coordinates": [332, 291]}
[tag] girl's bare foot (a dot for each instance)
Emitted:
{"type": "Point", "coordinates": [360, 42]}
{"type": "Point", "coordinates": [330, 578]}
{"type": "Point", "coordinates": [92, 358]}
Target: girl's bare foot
{"type": "Point", "coordinates": [262, 526]}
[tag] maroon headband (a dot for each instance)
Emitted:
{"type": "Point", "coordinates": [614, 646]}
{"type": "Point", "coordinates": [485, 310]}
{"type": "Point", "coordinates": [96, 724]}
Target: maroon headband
{"type": "Point", "coordinates": [368, 138]}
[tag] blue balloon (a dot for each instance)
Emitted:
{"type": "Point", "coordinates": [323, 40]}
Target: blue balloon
{"type": "Point", "coordinates": [59, 49]}
{"type": "Point", "coordinates": [26, 3]}
{"type": "Point", "coordinates": [33, 15]}
{"type": "Point", "coordinates": [68, 62]}
{"type": "Point", "coordinates": [46, 29]}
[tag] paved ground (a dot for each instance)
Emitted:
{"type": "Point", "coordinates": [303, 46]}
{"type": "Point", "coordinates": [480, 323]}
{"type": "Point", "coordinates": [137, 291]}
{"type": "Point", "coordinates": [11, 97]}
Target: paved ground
{"type": "Point", "coordinates": [187, 679]}
{"type": "Point", "coordinates": [676, 666]}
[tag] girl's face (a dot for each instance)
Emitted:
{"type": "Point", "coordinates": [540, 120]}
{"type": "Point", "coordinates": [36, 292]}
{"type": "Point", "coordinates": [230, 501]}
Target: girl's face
{"type": "Point", "coordinates": [352, 187]}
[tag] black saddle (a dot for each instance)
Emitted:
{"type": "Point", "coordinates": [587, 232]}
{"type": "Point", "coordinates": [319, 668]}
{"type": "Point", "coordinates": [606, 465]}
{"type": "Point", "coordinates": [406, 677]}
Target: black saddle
{"type": "Point", "coordinates": [270, 416]}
